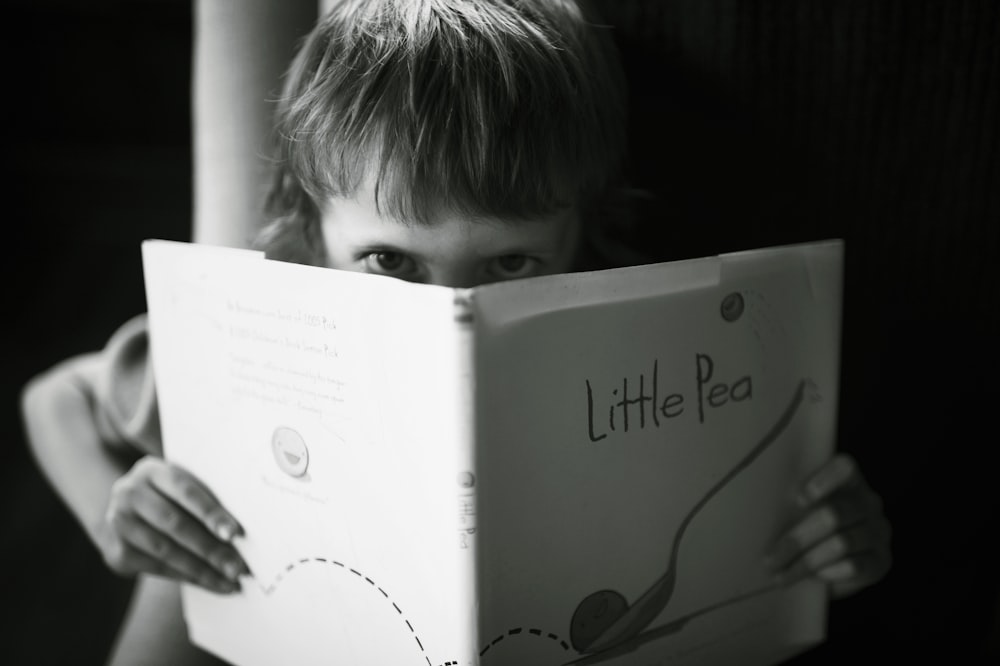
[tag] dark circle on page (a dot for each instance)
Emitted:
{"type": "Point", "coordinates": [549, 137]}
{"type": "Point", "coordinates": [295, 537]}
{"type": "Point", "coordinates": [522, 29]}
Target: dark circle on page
{"type": "Point", "coordinates": [732, 306]}
{"type": "Point", "coordinates": [466, 479]}
{"type": "Point", "coordinates": [595, 614]}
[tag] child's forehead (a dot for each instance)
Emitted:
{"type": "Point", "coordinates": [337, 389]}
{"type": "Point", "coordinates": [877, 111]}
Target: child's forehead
{"type": "Point", "coordinates": [378, 200]}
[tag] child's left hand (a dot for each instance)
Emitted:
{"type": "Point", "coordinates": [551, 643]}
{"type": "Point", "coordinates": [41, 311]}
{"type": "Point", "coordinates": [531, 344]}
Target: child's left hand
{"type": "Point", "coordinates": [840, 535]}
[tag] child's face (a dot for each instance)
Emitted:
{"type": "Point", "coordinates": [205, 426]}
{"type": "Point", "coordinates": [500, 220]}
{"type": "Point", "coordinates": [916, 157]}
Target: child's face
{"type": "Point", "coordinates": [453, 250]}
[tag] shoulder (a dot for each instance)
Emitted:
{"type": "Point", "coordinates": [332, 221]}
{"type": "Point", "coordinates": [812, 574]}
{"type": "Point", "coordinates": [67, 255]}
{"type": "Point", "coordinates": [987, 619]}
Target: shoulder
{"type": "Point", "coordinates": [112, 388]}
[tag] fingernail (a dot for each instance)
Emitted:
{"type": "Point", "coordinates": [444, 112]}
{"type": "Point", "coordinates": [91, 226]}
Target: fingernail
{"type": "Point", "coordinates": [232, 570]}
{"type": "Point", "coordinates": [225, 531]}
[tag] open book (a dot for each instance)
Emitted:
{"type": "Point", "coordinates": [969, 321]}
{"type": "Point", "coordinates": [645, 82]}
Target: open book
{"type": "Point", "coordinates": [581, 468]}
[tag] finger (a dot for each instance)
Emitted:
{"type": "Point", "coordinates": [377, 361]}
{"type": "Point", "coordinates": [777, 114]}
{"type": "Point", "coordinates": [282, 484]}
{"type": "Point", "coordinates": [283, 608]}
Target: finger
{"type": "Point", "coordinates": [140, 562]}
{"type": "Point", "coordinates": [839, 512]}
{"type": "Point", "coordinates": [144, 543]}
{"type": "Point", "coordinates": [840, 472]}
{"type": "Point", "coordinates": [842, 546]}
{"type": "Point", "coordinates": [861, 570]}
{"type": "Point", "coordinates": [217, 585]}
{"type": "Point", "coordinates": [134, 497]}
{"type": "Point", "coordinates": [184, 488]}
{"type": "Point", "coordinates": [176, 523]}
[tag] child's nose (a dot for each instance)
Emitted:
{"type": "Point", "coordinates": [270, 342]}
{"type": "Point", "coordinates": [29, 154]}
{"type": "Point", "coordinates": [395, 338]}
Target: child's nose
{"type": "Point", "coordinates": [457, 277]}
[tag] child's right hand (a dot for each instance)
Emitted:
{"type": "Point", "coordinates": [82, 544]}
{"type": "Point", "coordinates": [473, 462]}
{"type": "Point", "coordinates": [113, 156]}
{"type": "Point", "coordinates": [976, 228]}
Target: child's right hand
{"type": "Point", "coordinates": [162, 520]}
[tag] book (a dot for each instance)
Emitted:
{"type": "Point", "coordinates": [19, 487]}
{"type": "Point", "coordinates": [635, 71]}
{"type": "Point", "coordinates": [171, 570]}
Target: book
{"type": "Point", "coordinates": [571, 469]}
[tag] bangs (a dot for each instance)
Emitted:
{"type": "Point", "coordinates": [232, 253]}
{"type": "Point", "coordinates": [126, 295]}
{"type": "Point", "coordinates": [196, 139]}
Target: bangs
{"type": "Point", "coordinates": [493, 109]}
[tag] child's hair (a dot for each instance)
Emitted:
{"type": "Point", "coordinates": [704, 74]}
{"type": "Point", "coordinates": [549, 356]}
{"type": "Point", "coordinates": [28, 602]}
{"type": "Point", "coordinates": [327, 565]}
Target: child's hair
{"type": "Point", "coordinates": [497, 108]}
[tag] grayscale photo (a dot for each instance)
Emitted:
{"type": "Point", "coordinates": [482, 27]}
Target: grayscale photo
{"type": "Point", "coordinates": [502, 333]}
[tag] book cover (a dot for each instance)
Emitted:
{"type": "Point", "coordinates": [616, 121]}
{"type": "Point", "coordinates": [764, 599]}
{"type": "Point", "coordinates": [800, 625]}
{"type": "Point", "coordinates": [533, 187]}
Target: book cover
{"type": "Point", "coordinates": [581, 468]}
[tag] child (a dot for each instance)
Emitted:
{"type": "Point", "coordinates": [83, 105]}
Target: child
{"type": "Point", "coordinates": [453, 142]}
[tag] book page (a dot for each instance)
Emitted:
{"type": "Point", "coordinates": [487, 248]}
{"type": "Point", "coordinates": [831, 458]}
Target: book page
{"type": "Point", "coordinates": [638, 456]}
{"type": "Point", "coordinates": [319, 407]}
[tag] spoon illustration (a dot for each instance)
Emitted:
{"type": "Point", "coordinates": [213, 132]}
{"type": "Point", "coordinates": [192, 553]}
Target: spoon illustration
{"type": "Point", "coordinates": [604, 619]}
{"type": "Point", "coordinates": [676, 625]}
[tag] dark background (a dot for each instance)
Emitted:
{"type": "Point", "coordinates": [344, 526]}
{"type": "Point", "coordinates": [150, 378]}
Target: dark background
{"type": "Point", "coordinates": [754, 123]}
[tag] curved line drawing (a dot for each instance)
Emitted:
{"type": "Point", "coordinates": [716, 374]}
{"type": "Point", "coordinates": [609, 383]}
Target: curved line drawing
{"type": "Point", "coordinates": [268, 590]}
{"type": "Point", "coordinates": [674, 626]}
{"type": "Point", "coordinates": [623, 623]}
{"type": "Point", "coordinates": [530, 632]}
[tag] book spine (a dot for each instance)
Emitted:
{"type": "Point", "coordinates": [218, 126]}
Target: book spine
{"type": "Point", "coordinates": [466, 500]}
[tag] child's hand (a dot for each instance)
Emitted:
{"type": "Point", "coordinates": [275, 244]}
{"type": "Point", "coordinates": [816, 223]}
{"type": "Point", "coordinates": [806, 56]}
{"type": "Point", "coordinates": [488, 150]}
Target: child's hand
{"type": "Point", "coordinates": [162, 520]}
{"type": "Point", "coordinates": [841, 535]}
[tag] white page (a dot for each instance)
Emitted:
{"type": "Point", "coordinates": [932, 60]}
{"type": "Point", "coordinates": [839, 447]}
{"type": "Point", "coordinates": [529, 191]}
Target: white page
{"type": "Point", "coordinates": [355, 549]}
{"type": "Point", "coordinates": [769, 321]}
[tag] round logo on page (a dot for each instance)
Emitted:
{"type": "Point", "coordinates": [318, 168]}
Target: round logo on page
{"type": "Point", "coordinates": [732, 306]}
{"type": "Point", "coordinates": [290, 451]}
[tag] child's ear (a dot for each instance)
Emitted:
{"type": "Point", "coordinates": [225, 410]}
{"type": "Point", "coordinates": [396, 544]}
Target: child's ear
{"type": "Point", "coordinates": [295, 233]}
{"type": "Point", "coordinates": [295, 239]}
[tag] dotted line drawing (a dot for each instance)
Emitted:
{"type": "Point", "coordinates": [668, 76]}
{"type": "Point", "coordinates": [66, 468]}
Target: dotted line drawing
{"type": "Point", "coordinates": [530, 632]}
{"type": "Point", "coordinates": [269, 589]}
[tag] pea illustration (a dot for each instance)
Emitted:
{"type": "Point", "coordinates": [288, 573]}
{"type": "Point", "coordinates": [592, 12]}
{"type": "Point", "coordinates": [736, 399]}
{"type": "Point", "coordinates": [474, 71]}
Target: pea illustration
{"type": "Point", "coordinates": [594, 616]}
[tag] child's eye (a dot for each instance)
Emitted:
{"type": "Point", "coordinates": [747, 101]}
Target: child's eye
{"type": "Point", "coordinates": [395, 264]}
{"type": "Point", "coordinates": [511, 266]}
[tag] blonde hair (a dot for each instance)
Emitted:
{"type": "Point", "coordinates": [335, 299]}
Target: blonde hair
{"type": "Point", "coordinates": [503, 108]}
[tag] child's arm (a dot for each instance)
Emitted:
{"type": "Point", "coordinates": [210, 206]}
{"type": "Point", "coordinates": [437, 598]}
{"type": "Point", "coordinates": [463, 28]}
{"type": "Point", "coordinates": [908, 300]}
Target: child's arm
{"type": "Point", "coordinates": [143, 514]}
{"type": "Point", "coordinates": [840, 535]}
{"type": "Point", "coordinates": [242, 49]}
